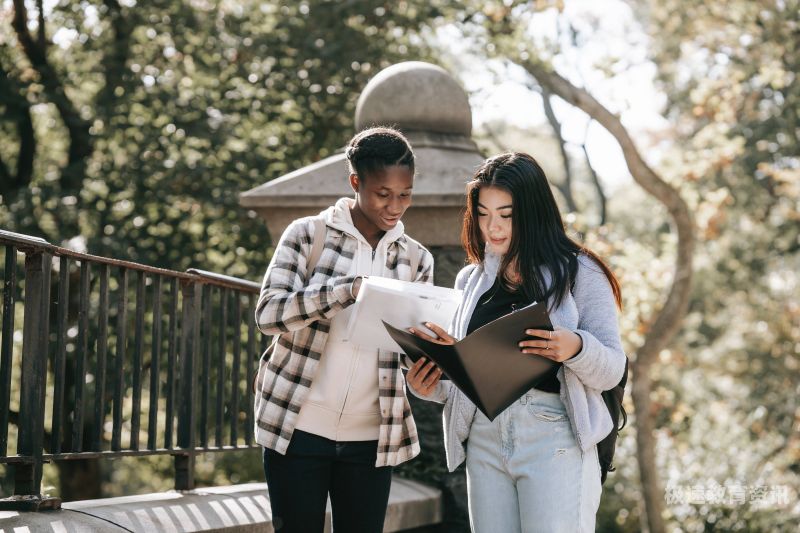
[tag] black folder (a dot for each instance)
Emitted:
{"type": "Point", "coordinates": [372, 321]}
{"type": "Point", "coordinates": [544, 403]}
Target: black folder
{"type": "Point", "coordinates": [487, 365]}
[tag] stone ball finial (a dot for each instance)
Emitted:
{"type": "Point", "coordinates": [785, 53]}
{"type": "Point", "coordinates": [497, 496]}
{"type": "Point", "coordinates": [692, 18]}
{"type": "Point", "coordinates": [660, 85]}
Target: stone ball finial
{"type": "Point", "coordinates": [415, 96]}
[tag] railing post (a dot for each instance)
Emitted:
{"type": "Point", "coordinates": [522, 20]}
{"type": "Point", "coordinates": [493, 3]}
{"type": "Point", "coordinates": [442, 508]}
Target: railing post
{"type": "Point", "coordinates": [190, 328]}
{"type": "Point", "coordinates": [7, 346]}
{"type": "Point", "coordinates": [35, 339]}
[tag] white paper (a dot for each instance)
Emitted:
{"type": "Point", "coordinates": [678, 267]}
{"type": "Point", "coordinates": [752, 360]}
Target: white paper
{"type": "Point", "coordinates": [402, 304]}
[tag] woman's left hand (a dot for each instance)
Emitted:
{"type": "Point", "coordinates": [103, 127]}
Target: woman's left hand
{"type": "Point", "coordinates": [442, 336]}
{"type": "Point", "coordinates": [558, 345]}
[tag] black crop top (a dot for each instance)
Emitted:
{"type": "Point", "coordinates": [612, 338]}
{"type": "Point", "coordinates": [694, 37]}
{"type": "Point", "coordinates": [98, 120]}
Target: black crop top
{"type": "Point", "coordinates": [497, 302]}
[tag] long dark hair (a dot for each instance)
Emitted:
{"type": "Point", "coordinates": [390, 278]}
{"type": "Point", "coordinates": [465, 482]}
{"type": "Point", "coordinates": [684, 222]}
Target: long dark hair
{"type": "Point", "coordinates": [538, 242]}
{"type": "Point", "coordinates": [374, 149]}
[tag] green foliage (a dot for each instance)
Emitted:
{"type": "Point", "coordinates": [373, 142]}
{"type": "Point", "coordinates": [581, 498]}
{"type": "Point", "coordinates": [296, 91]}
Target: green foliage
{"type": "Point", "coordinates": [729, 71]}
{"type": "Point", "coordinates": [726, 391]}
{"type": "Point", "coordinates": [189, 105]}
{"type": "Point", "coordinates": [186, 105]}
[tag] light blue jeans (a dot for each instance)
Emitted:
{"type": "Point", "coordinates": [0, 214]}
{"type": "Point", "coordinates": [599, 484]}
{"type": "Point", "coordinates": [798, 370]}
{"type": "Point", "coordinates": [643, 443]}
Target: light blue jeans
{"type": "Point", "coordinates": [526, 473]}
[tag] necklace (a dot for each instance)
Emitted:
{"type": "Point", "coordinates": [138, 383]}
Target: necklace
{"type": "Point", "coordinates": [491, 292]}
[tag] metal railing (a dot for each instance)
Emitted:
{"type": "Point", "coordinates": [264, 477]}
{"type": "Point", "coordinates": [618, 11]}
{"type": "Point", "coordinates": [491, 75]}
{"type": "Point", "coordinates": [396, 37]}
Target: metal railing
{"type": "Point", "coordinates": [133, 361]}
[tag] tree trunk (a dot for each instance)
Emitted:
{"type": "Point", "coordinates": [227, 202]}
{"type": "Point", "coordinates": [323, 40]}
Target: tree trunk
{"type": "Point", "coordinates": [669, 318]}
{"type": "Point", "coordinates": [80, 139]}
{"type": "Point", "coordinates": [80, 479]}
{"type": "Point", "coordinates": [18, 110]}
{"type": "Point", "coordinates": [566, 186]}
{"type": "Point", "coordinates": [646, 451]}
{"type": "Point", "coordinates": [601, 195]}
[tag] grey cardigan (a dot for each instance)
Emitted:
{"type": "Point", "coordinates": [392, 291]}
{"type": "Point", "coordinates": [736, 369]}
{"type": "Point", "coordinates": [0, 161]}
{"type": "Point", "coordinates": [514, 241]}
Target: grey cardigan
{"type": "Point", "coordinates": [589, 310]}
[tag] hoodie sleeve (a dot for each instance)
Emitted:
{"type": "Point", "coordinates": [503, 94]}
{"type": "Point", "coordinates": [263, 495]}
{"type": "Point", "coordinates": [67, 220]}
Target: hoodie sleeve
{"type": "Point", "coordinates": [424, 272]}
{"type": "Point", "coordinates": [286, 303]}
{"type": "Point", "coordinates": [601, 361]}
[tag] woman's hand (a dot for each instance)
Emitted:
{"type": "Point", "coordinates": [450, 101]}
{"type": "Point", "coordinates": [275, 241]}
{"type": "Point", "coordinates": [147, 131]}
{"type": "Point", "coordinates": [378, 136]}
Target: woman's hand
{"type": "Point", "coordinates": [558, 345]}
{"type": "Point", "coordinates": [442, 336]}
{"type": "Point", "coordinates": [423, 376]}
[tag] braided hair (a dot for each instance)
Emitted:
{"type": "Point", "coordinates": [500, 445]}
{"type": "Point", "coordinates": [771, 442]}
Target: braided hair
{"type": "Point", "coordinates": [374, 149]}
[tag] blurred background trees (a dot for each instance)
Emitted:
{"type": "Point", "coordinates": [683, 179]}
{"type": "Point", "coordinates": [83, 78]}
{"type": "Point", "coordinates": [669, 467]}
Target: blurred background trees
{"type": "Point", "coordinates": [730, 80]}
{"type": "Point", "coordinates": [129, 128]}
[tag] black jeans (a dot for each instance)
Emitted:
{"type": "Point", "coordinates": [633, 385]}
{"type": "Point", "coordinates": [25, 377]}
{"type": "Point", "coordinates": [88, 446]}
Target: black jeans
{"type": "Point", "coordinates": [313, 467]}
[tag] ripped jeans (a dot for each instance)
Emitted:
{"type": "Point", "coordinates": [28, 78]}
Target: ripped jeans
{"type": "Point", "coordinates": [526, 473]}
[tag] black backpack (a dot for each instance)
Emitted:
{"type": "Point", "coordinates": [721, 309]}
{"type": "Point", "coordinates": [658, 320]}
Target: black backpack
{"type": "Point", "coordinates": [607, 446]}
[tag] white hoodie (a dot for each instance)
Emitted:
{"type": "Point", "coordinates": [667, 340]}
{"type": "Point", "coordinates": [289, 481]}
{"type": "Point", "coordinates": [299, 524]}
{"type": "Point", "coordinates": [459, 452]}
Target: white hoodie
{"type": "Point", "coordinates": [342, 403]}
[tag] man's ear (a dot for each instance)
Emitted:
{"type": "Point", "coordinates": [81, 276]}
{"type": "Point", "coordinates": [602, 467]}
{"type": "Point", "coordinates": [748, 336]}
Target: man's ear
{"type": "Point", "coordinates": [354, 183]}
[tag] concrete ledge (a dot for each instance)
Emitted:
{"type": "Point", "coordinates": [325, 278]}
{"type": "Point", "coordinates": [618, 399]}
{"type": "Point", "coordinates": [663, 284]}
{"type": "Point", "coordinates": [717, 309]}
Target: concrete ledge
{"type": "Point", "coordinates": [238, 508]}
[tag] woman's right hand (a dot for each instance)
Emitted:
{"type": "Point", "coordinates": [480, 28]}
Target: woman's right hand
{"type": "Point", "coordinates": [423, 376]}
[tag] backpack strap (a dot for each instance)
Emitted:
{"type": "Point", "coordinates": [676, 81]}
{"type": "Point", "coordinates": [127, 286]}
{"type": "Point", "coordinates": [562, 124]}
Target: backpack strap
{"type": "Point", "coordinates": [317, 245]}
{"type": "Point", "coordinates": [414, 256]}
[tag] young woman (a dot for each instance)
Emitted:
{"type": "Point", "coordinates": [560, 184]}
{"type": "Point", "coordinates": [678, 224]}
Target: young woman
{"type": "Point", "coordinates": [535, 467]}
{"type": "Point", "coordinates": [333, 417]}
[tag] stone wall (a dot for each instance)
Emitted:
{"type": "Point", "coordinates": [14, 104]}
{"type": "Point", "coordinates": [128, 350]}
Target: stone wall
{"type": "Point", "coordinates": [430, 466]}
{"type": "Point", "coordinates": [448, 260]}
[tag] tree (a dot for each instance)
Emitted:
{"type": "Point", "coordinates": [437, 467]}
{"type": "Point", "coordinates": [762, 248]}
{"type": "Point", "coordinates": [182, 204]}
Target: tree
{"type": "Point", "coordinates": [506, 36]}
{"type": "Point", "coordinates": [129, 131]}
{"type": "Point", "coordinates": [728, 77]}
{"type": "Point", "coordinates": [725, 379]}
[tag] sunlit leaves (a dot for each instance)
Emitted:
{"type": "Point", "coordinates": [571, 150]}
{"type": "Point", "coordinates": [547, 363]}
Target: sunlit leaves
{"type": "Point", "coordinates": [190, 104]}
{"type": "Point", "coordinates": [728, 71]}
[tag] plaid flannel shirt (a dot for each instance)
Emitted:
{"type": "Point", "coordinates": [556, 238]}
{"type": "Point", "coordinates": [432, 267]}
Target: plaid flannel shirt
{"type": "Point", "coordinates": [300, 313]}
